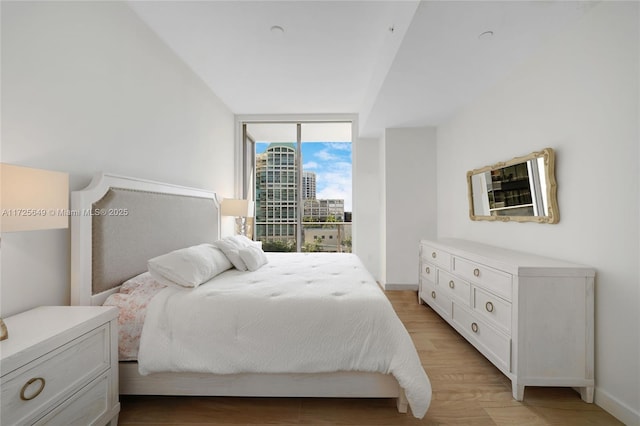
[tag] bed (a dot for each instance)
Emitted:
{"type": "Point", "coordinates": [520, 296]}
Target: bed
{"type": "Point", "coordinates": [119, 223]}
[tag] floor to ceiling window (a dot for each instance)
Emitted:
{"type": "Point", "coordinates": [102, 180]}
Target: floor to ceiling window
{"type": "Point", "coordinates": [299, 174]}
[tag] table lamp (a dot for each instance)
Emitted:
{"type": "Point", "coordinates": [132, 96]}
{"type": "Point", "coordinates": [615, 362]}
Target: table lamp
{"type": "Point", "coordinates": [241, 209]}
{"type": "Point", "coordinates": [32, 199]}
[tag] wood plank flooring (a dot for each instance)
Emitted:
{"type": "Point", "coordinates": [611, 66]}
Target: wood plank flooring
{"type": "Point", "coordinates": [467, 390]}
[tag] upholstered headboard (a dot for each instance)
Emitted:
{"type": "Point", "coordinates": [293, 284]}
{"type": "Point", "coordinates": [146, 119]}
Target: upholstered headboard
{"type": "Point", "coordinates": [118, 223]}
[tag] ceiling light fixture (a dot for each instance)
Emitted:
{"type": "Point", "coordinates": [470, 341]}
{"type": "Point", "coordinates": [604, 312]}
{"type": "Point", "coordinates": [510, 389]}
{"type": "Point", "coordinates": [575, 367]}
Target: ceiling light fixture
{"type": "Point", "coordinates": [277, 29]}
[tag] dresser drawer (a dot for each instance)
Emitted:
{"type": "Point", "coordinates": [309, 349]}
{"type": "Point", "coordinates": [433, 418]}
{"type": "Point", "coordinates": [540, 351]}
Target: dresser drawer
{"type": "Point", "coordinates": [494, 344]}
{"type": "Point", "coordinates": [437, 299]}
{"type": "Point", "coordinates": [428, 272]}
{"type": "Point", "coordinates": [493, 308]}
{"type": "Point", "coordinates": [454, 286]}
{"type": "Point", "coordinates": [496, 281]}
{"type": "Point", "coordinates": [46, 381]}
{"type": "Point", "coordinates": [436, 256]}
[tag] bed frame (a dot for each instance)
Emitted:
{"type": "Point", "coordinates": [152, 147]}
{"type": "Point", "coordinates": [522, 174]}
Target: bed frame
{"type": "Point", "coordinates": [117, 224]}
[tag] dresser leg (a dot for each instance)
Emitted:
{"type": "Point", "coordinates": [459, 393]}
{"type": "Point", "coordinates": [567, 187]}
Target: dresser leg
{"type": "Point", "coordinates": [586, 394]}
{"type": "Point", "coordinates": [517, 391]}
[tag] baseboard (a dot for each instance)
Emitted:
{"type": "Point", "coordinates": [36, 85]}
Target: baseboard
{"type": "Point", "coordinates": [616, 408]}
{"type": "Point", "coordinates": [389, 286]}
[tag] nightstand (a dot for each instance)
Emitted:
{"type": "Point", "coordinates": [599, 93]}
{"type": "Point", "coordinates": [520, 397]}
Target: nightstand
{"type": "Point", "coordinates": [59, 366]}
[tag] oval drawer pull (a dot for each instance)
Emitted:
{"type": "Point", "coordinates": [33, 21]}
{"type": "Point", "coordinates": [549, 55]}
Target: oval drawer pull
{"type": "Point", "coordinates": [476, 272]}
{"type": "Point", "coordinates": [488, 306]}
{"type": "Point", "coordinates": [24, 389]}
{"type": "Point", "coordinates": [474, 327]}
{"type": "Point", "coordinates": [433, 254]}
{"type": "Point", "coordinates": [452, 284]}
{"type": "Point", "coordinates": [433, 294]}
{"type": "Point", "coordinates": [427, 270]}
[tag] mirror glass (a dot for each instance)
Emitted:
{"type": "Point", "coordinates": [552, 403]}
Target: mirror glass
{"type": "Point", "coordinates": [522, 189]}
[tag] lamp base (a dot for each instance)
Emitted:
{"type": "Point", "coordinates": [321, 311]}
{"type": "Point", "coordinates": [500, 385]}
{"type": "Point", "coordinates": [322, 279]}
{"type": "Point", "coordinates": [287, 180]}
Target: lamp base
{"type": "Point", "coordinates": [4, 334]}
{"type": "Point", "coordinates": [244, 227]}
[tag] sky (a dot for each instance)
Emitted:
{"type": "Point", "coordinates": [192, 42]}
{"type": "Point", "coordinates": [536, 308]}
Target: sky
{"type": "Point", "coordinates": [331, 162]}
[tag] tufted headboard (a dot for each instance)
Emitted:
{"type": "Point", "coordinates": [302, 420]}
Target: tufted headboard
{"type": "Point", "coordinates": [118, 223]}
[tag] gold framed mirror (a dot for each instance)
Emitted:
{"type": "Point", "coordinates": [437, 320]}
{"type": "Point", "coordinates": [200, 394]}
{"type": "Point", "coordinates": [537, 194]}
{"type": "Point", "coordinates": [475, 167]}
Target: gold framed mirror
{"type": "Point", "coordinates": [522, 189]}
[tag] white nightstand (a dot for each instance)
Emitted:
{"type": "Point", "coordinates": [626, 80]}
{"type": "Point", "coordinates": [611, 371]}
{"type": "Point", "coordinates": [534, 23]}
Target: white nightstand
{"type": "Point", "coordinates": [59, 366]}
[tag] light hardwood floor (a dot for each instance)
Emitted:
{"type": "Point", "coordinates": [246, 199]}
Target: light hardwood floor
{"type": "Point", "coordinates": [467, 390]}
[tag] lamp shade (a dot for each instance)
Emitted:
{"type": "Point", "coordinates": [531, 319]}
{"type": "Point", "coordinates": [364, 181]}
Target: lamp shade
{"type": "Point", "coordinates": [32, 199]}
{"type": "Point", "coordinates": [236, 207]}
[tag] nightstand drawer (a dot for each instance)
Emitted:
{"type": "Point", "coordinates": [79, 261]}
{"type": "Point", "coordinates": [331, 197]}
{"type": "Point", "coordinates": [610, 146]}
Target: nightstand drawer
{"type": "Point", "coordinates": [92, 402]}
{"type": "Point", "coordinates": [47, 380]}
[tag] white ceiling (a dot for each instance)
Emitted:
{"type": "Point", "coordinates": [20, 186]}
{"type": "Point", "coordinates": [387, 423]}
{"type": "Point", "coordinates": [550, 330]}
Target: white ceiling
{"type": "Point", "coordinates": [395, 63]}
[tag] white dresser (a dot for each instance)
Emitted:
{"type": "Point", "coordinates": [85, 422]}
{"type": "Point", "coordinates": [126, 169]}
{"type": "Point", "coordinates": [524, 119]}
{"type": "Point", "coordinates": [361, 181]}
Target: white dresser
{"type": "Point", "coordinates": [531, 316]}
{"type": "Point", "coordinates": [59, 366]}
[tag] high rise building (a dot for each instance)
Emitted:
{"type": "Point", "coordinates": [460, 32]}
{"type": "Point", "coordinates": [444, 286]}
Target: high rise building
{"type": "Point", "coordinates": [277, 196]}
{"type": "Point", "coordinates": [308, 185]}
{"type": "Point", "coordinates": [276, 193]}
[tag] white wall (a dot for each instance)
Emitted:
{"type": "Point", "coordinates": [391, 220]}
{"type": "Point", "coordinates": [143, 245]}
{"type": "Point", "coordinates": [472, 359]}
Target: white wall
{"type": "Point", "coordinates": [87, 87]}
{"type": "Point", "coordinates": [579, 95]}
{"type": "Point", "coordinates": [367, 201]}
{"type": "Point", "coordinates": [409, 203]}
{"type": "Point", "coordinates": [382, 220]}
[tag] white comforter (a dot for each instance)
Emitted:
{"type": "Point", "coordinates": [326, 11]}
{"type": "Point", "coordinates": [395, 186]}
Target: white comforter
{"type": "Point", "coordinates": [300, 313]}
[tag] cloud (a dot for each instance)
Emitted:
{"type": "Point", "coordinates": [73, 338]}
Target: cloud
{"type": "Point", "coordinates": [310, 165]}
{"type": "Point", "coordinates": [335, 182]}
{"type": "Point", "coordinates": [338, 146]}
{"type": "Point", "coordinates": [325, 155]}
{"type": "Point", "coordinates": [334, 152]}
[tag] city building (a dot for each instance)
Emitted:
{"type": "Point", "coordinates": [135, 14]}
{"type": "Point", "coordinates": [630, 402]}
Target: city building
{"type": "Point", "coordinates": [321, 210]}
{"type": "Point", "coordinates": [308, 185]}
{"type": "Point", "coordinates": [276, 193]}
{"type": "Point", "coordinates": [276, 201]}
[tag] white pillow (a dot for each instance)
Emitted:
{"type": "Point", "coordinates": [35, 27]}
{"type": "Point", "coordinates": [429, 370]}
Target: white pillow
{"type": "Point", "coordinates": [253, 257]}
{"type": "Point", "coordinates": [231, 247]}
{"type": "Point", "coordinates": [189, 267]}
{"type": "Point", "coordinates": [243, 240]}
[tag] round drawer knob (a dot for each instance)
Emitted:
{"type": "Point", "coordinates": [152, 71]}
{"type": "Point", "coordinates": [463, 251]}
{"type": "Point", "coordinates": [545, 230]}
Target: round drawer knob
{"type": "Point", "coordinates": [427, 270]}
{"type": "Point", "coordinates": [474, 327]}
{"type": "Point", "coordinates": [433, 294]}
{"type": "Point", "coordinates": [488, 306]}
{"type": "Point", "coordinates": [433, 254]}
{"type": "Point", "coordinates": [476, 272]}
{"type": "Point", "coordinates": [36, 392]}
{"type": "Point", "coordinates": [452, 284]}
